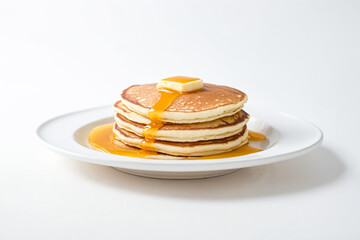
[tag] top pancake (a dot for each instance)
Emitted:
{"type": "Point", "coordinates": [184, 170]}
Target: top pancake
{"type": "Point", "coordinates": [213, 102]}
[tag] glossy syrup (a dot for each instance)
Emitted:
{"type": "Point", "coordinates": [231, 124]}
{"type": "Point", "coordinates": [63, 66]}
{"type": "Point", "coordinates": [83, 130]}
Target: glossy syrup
{"type": "Point", "coordinates": [102, 138]}
{"type": "Point", "coordinates": [155, 116]}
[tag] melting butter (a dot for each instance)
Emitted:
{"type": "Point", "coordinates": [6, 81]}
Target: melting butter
{"type": "Point", "coordinates": [181, 84]}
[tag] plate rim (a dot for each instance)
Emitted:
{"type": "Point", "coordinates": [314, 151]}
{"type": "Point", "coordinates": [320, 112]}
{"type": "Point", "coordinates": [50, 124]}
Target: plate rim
{"type": "Point", "coordinates": [182, 165]}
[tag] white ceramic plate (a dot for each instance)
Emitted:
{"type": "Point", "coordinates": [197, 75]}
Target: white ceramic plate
{"type": "Point", "coordinates": [287, 137]}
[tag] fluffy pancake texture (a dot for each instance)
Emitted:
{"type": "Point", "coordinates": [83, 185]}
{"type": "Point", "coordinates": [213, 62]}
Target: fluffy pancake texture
{"type": "Point", "coordinates": [155, 155]}
{"type": "Point", "coordinates": [191, 132]}
{"type": "Point", "coordinates": [200, 148]}
{"type": "Point", "coordinates": [212, 102]}
{"type": "Point", "coordinates": [199, 123]}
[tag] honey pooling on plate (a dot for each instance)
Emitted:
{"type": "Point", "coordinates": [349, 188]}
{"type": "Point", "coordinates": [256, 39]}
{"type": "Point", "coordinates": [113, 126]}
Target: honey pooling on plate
{"type": "Point", "coordinates": [102, 139]}
{"type": "Point", "coordinates": [181, 118]}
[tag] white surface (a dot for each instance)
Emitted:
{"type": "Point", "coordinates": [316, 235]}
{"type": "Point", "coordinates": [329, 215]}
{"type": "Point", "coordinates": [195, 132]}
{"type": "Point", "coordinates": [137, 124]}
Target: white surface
{"type": "Point", "coordinates": [287, 137]}
{"type": "Point", "coordinates": [300, 57]}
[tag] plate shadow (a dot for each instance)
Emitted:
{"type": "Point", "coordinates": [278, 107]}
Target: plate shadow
{"type": "Point", "coordinates": [318, 168]}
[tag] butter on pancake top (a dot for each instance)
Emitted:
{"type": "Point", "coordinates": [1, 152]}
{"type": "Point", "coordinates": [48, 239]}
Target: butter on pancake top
{"type": "Point", "coordinates": [181, 116]}
{"type": "Point", "coordinates": [178, 118]}
{"type": "Point", "coordinates": [212, 102]}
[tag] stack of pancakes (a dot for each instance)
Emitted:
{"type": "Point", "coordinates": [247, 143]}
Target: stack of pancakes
{"type": "Point", "coordinates": [200, 123]}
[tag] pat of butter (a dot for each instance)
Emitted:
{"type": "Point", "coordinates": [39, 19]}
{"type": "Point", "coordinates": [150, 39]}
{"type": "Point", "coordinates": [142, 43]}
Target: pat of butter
{"type": "Point", "coordinates": [181, 84]}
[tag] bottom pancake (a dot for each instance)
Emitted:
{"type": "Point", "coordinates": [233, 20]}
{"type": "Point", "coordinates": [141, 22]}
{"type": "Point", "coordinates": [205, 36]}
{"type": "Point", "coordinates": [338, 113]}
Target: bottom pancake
{"type": "Point", "coordinates": [187, 149]}
{"type": "Point", "coordinates": [154, 155]}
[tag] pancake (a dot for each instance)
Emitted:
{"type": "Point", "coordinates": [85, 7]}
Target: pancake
{"type": "Point", "coordinates": [155, 155]}
{"type": "Point", "coordinates": [200, 148]}
{"type": "Point", "coordinates": [123, 110]}
{"type": "Point", "coordinates": [216, 129]}
{"type": "Point", "coordinates": [211, 103]}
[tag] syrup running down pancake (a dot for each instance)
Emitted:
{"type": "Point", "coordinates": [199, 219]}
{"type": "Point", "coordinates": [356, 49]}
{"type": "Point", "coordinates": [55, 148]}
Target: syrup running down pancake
{"type": "Point", "coordinates": [212, 102]}
{"type": "Point", "coordinates": [190, 132]}
{"type": "Point", "coordinates": [179, 118]}
{"type": "Point", "coordinates": [199, 148]}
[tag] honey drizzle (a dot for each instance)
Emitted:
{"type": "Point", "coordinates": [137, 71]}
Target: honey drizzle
{"type": "Point", "coordinates": [102, 138]}
{"type": "Point", "coordinates": [256, 136]}
{"type": "Point", "coordinates": [155, 114]}
{"type": "Point", "coordinates": [240, 151]}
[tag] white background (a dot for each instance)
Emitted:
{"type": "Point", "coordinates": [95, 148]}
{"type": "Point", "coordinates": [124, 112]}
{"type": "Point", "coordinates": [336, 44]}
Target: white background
{"type": "Point", "coordinates": [301, 57]}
